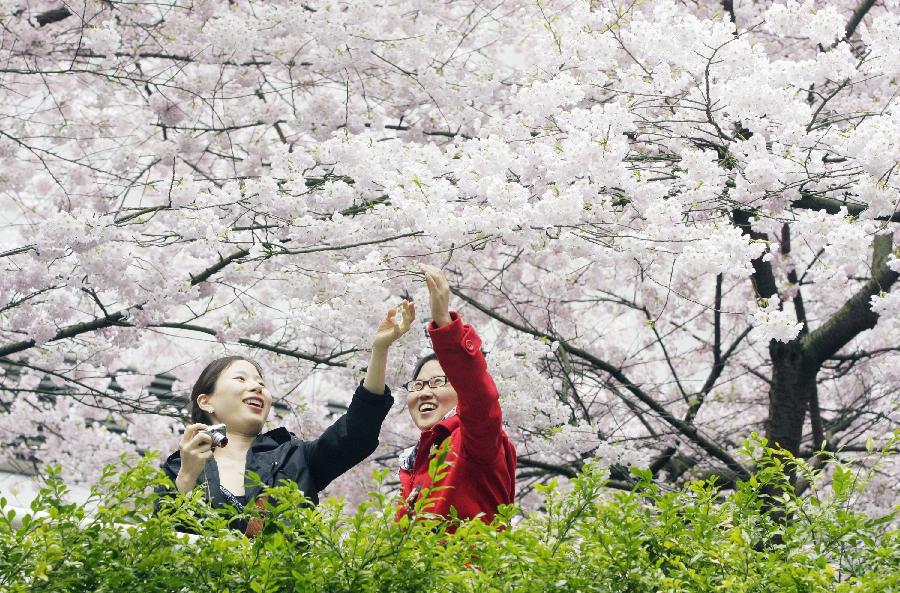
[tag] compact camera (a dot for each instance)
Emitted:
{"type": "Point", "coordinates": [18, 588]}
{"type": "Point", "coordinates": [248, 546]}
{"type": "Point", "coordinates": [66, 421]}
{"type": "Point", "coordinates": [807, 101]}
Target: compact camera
{"type": "Point", "coordinates": [217, 432]}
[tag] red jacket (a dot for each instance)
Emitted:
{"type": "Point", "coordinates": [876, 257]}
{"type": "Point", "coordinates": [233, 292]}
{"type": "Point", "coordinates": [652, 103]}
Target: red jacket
{"type": "Point", "coordinates": [483, 471]}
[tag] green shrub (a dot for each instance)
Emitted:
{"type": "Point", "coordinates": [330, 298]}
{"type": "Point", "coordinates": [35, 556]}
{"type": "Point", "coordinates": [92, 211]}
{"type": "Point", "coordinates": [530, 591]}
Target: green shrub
{"type": "Point", "coordinates": [760, 537]}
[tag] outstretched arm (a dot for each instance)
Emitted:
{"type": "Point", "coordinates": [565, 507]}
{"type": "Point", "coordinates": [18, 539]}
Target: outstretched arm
{"type": "Point", "coordinates": [354, 436]}
{"type": "Point", "coordinates": [458, 349]}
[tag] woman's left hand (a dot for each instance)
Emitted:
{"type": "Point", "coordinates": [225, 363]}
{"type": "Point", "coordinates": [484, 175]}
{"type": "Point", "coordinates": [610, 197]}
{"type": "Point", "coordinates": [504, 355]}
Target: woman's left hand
{"type": "Point", "coordinates": [438, 294]}
{"type": "Point", "coordinates": [391, 328]}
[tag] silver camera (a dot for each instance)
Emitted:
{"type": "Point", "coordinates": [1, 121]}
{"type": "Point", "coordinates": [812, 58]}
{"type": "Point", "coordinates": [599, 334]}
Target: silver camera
{"type": "Point", "coordinates": [217, 433]}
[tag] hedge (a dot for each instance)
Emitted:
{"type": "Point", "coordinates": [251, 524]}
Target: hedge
{"type": "Point", "coordinates": [759, 537]}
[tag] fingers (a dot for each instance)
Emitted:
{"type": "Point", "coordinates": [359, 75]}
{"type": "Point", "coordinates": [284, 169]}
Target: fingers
{"type": "Point", "coordinates": [396, 322]}
{"type": "Point", "coordinates": [400, 318]}
{"type": "Point", "coordinates": [194, 436]}
{"type": "Point", "coordinates": [402, 310]}
{"type": "Point", "coordinates": [441, 281]}
{"type": "Point", "coordinates": [201, 439]}
{"type": "Point", "coordinates": [191, 431]}
{"type": "Point", "coordinates": [438, 294]}
{"type": "Point", "coordinates": [403, 321]}
{"type": "Point", "coordinates": [431, 283]}
{"type": "Point", "coordinates": [196, 447]}
{"type": "Point", "coordinates": [428, 272]}
{"type": "Point", "coordinates": [408, 313]}
{"type": "Point", "coordinates": [199, 447]}
{"type": "Point", "coordinates": [434, 278]}
{"type": "Point", "coordinates": [432, 271]}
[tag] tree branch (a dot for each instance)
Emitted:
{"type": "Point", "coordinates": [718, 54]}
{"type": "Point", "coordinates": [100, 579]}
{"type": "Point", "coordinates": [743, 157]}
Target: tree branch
{"type": "Point", "coordinates": [53, 16]}
{"type": "Point", "coordinates": [714, 374]}
{"type": "Point", "coordinates": [222, 263]}
{"type": "Point", "coordinates": [856, 315]}
{"type": "Point", "coordinates": [568, 472]}
{"type": "Point", "coordinates": [799, 308]}
{"type": "Point", "coordinates": [561, 470]}
{"type": "Point", "coordinates": [69, 332]}
{"type": "Point", "coordinates": [17, 251]}
{"type": "Point", "coordinates": [763, 277]}
{"type": "Point", "coordinates": [858, 15]}
{"type": "Point", "coordinates": [684, 428]}
{"type": "Point", "coordinates": [119, 319]}
{"type": "Point", "coordinates": [832, 206]}
{"type": "Point", "coordinates": [728, 5]}
{"type": "Point", "coordinates": [319, 360]}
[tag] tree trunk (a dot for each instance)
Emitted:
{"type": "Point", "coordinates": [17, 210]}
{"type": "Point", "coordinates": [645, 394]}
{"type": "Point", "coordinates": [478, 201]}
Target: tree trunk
{"type": "Point", "coordinates": [793, 387]}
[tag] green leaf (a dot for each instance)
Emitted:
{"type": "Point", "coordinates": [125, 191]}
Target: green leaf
{"type": "Point", "coordinates": [841, 481]}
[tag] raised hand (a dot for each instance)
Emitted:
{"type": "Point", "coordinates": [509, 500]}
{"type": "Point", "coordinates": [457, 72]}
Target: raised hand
{"type": "Point", "coordinates": [396, 323]}
{"type": "Point", "coordinates": [438, 293]}
{"type": "Point", "coordinates": [389, 330]}
{"type": "Point", "coordinates": [196, 449]}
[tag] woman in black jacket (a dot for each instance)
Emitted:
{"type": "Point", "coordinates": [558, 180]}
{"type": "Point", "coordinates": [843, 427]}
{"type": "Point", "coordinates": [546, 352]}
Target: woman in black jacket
{"type": "Point", "coordinates": [232, 391]}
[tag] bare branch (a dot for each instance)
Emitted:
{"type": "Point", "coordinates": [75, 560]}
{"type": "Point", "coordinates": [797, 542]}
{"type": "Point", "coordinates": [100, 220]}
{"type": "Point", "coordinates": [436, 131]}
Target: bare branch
{"type": "Point", "coordinates": [567, 472]}
{"type": "Point", "coordinates": [71, 331]}
{"type": "Point", "coordinates": [318, 360]}
{"type": "Point", "coordinates": [219, 265]}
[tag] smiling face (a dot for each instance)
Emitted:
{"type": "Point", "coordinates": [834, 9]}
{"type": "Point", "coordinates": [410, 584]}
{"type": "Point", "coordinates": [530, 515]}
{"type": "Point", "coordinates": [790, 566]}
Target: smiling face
{"type": "Point", "coordinates": [429, 406]}
{"type": "Point", "coordinates": [240, 399]}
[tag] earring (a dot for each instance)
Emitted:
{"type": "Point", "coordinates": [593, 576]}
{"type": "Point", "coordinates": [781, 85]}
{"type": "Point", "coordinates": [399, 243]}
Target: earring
{"type": "Point", "coordinates": [209, 411]}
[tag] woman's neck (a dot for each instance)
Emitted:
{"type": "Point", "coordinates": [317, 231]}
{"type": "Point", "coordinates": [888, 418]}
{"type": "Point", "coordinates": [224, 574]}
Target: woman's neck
{"type": "Point", "coordinates": [238, 445]}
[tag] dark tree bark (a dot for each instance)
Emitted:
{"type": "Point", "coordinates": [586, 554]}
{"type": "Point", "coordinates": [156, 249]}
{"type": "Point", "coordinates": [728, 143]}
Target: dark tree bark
{"type": "Point", "coordinates": [796, 364]}
{"type": "Point", "coordinates": [53, 16]}
{"type": "Point", "coordinates": [856, 314]}
{"type": "Point", "coordinates": [728, 5]}
{"type": "Point", "coordinates": [857, 17]}
{"type": "Point", "coordinates": [793, 386]}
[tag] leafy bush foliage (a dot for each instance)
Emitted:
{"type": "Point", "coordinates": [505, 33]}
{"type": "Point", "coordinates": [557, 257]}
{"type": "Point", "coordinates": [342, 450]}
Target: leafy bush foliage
{"type": "Point", "coordinates": [759, 537]}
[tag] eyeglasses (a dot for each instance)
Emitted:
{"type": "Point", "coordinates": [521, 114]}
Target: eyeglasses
{"type": "Point", "coordinates": [434, 383]}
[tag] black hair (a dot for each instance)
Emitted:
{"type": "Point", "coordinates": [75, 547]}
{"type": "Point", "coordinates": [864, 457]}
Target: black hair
{"type": "Point", "coordinates": [428, 358]}
{"type": "Point", "coordinates": [421, 362]}
{"type": "Point", "coordinates": [206, 383]}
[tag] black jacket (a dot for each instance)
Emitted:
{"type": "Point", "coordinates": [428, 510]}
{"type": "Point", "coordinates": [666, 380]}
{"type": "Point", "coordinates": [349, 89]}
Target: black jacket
{"type": "Point", "coordinates": [280, 455]}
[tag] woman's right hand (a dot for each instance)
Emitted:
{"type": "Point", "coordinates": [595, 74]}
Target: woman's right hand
{"type": "Point", "coordinates": [196, 449]}
{"type": "Point", "coordinates": [391, 328]}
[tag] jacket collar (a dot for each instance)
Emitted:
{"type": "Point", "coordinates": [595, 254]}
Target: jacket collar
{"type": "Point", "coordinates": [264, 441]}
{"type": "Point", "coordinates": [440, 431]}
{"type": "Point", "coordinates": [446, 426]}
{"type": "Point", "coordinates": [429, 437]}
{"type": "Point", "coordinates": [271, 439]}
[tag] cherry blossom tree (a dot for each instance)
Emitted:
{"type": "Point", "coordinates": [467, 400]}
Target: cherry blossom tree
{"type": "Point", "coordinates": [674, 223]}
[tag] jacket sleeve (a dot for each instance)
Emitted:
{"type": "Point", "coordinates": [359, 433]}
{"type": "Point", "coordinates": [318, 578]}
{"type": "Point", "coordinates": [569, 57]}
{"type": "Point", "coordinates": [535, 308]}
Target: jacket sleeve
{"type": "Point", "coordinates": [170, 468]}
{"type": "Point", "coordinates": [352, 438]}
{"type": "Point", "coordinates": [458, 349]}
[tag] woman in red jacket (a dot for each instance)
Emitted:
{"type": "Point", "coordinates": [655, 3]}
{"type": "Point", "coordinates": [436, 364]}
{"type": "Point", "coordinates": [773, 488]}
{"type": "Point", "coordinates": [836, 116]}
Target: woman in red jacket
{"type": "Point", "coordinates": [452, 397]}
